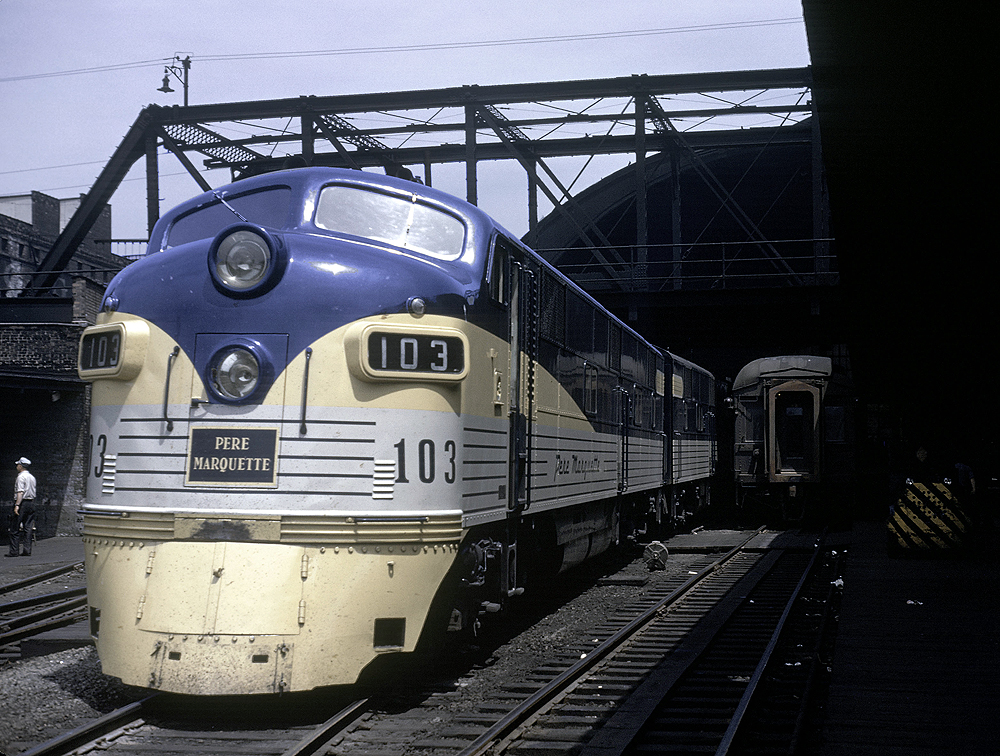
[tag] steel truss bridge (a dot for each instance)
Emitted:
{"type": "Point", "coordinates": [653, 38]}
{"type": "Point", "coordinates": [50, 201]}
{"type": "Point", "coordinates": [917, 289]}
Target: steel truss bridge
{"type": "Point", "coordinates": [664, 128]}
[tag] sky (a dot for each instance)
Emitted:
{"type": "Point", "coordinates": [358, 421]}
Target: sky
{"type": "Point", "coordinates": [75, 74]}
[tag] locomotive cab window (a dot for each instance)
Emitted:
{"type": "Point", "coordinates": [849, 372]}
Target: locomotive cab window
{"type": "Point", "coordinates": [399, 221]}
{"type": "Point", "coordinates": [268, 208]}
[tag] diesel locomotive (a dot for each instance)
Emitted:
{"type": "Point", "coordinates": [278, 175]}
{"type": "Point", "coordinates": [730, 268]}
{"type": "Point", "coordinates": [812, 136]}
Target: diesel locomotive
{"type": "Point", "coordinates": [334, 410]}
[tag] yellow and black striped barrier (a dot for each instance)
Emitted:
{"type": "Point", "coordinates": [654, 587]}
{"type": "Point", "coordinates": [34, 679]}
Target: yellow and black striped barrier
{"type": "Point", "coordinates": [927, 517]}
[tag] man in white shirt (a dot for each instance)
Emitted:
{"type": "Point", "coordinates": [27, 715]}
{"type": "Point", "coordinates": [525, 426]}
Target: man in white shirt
{"type": "Point", "coordinates": [24, 510]}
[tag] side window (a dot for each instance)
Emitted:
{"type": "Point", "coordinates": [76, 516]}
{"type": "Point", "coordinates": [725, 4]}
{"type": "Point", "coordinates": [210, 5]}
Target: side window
{"type": "Point", "coordinates": [498, 274]}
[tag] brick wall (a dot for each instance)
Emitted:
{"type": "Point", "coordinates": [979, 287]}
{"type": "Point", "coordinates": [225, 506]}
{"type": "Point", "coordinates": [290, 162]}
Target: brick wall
{"type": "Point", "coordinates": [44, 406]}
{"type": "Point", "coordinates": [48, 348]}
{"type": "Point", "coordinates": [49, 427]}
{"type": "Point", "coordinates": [87, 296]}
{"type": "Point", "coordinates": [45, 215]}
{"type": "Point", "coordinates": [44, 416]}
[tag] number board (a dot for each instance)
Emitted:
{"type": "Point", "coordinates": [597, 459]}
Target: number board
{"type": "Point", "coordinates": [232, 456]}
{"type": "Point", "coordinates": [415, 353]}
{"type": "Point", "coordinates": [101, 350]}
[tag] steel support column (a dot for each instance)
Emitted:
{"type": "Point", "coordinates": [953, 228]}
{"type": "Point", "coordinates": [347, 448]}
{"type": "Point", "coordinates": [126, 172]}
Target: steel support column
{"type": "Point", "coordinates": [821, 230]}
{"type": "Point", "coordinates": [532, 170]}
{"type": "Point", "coordinates": [471, 187]}
{"type": "Point", "coordinates": [639, 266]}
{"type": "Point", "coordinates": [677, 253]}
{"type": "Point", "coordinates": [152, 183]}
{"type": "Point", "coordinates": [308, 138]}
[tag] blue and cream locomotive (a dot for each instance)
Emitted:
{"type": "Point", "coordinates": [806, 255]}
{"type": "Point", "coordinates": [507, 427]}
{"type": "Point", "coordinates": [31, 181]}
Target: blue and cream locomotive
{"type": "Point", "coordinates": [326, 400]}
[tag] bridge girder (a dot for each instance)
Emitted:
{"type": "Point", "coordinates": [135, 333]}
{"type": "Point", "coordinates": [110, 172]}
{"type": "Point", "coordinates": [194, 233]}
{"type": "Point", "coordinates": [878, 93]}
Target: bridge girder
{"type": "Point", "coordinates": [464, 113]}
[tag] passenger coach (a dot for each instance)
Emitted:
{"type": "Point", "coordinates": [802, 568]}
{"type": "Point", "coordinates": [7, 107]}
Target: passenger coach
{"type": "Point", "coordinates": [794, 436]}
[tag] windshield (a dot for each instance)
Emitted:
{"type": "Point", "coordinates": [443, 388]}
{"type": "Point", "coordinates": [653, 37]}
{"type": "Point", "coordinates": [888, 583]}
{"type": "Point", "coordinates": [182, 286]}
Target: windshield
{"type": "Point", "coordinates": [268, 207]}
{"type": "Point", "coordinates": [394, 220]}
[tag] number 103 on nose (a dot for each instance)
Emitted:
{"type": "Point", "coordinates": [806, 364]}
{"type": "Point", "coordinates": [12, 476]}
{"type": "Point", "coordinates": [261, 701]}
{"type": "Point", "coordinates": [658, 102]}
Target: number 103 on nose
{"type": "Point", "coordinates": [417, 353]}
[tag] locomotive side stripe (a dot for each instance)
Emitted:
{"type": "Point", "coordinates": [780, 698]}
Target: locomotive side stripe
{"type": "Point", "coordinates": [337, 457]}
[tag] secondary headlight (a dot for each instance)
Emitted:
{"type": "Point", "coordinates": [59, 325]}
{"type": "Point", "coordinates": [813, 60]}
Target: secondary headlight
{"type": "Point", "coordinates": [235, 373]}
{"type": "Point", "coordinates": [244, 260]}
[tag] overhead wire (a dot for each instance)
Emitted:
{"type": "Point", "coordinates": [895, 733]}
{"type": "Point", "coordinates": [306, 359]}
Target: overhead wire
{"type": "Point", "coordinates": [431, 46]}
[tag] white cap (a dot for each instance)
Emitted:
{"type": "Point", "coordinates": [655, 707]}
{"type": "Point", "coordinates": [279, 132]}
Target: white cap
{"type": "Point", "coordinates": [23, 461]}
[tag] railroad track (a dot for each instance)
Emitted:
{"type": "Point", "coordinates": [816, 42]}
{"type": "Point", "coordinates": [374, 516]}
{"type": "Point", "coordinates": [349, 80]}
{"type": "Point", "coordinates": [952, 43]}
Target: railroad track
{"type": "Point", "coordinates": [697, 653]}
{"type": "Point", "coordinates": [27, 610]}
{"type": "Point", "coordinates": [169, 725]}
{"type": "Point", "coordinates": [695, 665]}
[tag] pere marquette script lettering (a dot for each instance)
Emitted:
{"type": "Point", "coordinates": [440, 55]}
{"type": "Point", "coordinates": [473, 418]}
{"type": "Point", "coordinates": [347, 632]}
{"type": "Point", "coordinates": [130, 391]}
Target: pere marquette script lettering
{"type": "Point", "coordinates": [232, 456]}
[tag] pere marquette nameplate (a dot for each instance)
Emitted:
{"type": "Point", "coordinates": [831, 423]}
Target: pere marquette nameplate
{"type": "Point", "coordinates": [232, 456]}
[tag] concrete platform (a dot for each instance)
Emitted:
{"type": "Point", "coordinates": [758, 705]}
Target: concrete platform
{"type": "Point", "coordinates": [706, 541]}
{"type": "Point", "coordinates": [916, 667]}
{"type": "Point", "coordinates": [48, 551]}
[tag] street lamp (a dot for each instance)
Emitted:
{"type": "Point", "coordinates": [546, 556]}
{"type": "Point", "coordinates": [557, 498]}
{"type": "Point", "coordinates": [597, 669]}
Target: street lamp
{"type": "Point", "coordinates": [179, 70]}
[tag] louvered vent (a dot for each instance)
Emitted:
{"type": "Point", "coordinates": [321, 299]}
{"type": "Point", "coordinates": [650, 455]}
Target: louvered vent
{"type": "Point", "coordinates": [110, 472]}
{"type": "Point", "coordinates": [383, 479]}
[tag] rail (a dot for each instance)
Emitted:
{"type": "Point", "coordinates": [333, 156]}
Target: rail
{"type": "Point", "coordinates": [36, 614]}
{"type": "Point", "coordinates": [571, 677]}
{"type": "Point", "coordinates": [117, 720]}
{"type": "Point", "coordinates": [705, 633]}
{"type": "Point", "coordinates": [145, 727]}
{"type": "Point", "coordinates": [41, 577]}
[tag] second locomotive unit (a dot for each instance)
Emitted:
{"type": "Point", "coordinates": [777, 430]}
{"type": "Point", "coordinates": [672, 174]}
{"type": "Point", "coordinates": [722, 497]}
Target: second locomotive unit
{"type": "Point", "coordinates": [333, 410]}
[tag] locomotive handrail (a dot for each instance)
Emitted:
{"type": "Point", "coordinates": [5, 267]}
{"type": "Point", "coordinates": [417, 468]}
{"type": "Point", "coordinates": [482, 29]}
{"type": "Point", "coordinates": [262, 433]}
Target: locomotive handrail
{"type": "Point", "coordinates": [305, 390]}
{"type": "Point", "coordinates": [388, 519]}
{"type": "Point", "coordinates": [166, 388]}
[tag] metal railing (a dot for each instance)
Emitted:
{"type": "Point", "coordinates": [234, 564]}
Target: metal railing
{"type": "Point", "coordinates": [710, 266]}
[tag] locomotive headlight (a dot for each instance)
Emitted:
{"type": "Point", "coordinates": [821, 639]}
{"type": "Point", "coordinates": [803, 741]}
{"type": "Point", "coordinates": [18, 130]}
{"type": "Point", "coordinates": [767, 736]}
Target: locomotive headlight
{"type": "Point", "coordinates": [244, 260]}
{"type": "Point", "coordinates": [235, 373]}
